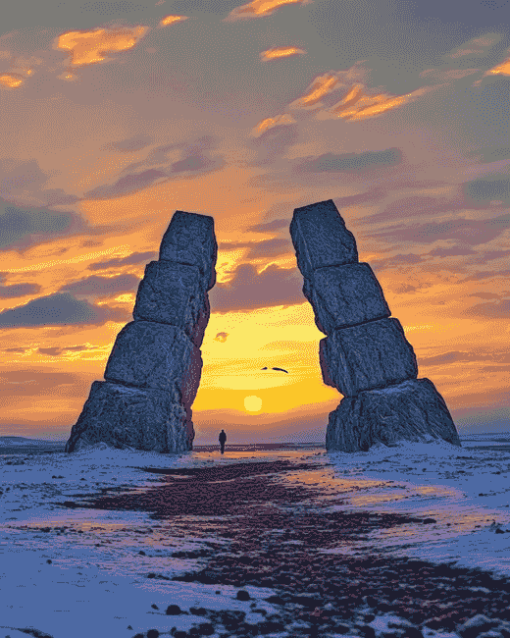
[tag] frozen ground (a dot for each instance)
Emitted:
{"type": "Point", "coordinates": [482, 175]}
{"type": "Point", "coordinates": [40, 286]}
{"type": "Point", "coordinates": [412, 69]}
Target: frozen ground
{"type": "Point", "coordinates": [91, 544]}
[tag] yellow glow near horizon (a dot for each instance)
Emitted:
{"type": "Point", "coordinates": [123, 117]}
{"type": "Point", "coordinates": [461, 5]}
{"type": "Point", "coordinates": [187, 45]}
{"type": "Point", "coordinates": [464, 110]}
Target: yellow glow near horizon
{"type": "Point", "coordinates": [253, 403]}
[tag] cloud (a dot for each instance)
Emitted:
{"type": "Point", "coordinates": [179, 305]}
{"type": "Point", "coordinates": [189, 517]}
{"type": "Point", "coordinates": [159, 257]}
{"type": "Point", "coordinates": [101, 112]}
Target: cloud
{"type": "Point", "coordinates": [259, 8]}
{"type": "Point", "coordinates": [280, 52]}
{"type": "Point", "coordinates": [127, 184]}
{"type": "Point", "coordinates": [490, 255]}
{"type": "Point", "coordinates": [477, 47]}
{"type": "Point", "coordinates": [23, 183]}
{"type": "Point", "coordinates": [491, 188]}
{"type": "Point", "coordinates": [193, 163]}
{"type": "Point", "coordinates": [452, 251]}
{"type": "Point", "coordinates": [134, 258]}
{"type": "Point", "coordinates": [270, 248]}
{"type": "Point", "coordinates": [351, 162]}
{"type": "Point", "coordinates": [465, 231]}
{"type": "Point", "coordinates": [446, 75]}
{"type": "Point", "coordinates": [56, 351]}
{"type": "Point", "coordinates": [59, 309]}
{"type": "Point", "coordinates": [11, 80]}
{"type": "Point", "coordinates": [129, 145]}
{"type": "Point", "coordinates": [261, 249]}
{"type": "Point", "coordinates": [485, 295]}
{"type": "Point", "coordinates": [102, 286]}
{"type": "Point", "coordinates": [170, 19]}
{"type": "Point", "coordinates": [192, 160]}
{"type": "Point", "coordinates": [358, 105]}
{"type": "Point", "coordinates": [221, 337]}
{"type": "Point", "coordinates": [271, 122]}
{"type": "Point", "coordinates": [321, 86]}
{"type": "Point", "coordinates": [18, 290]}
{"type": "Point", "coordinates": [417, 206]}
{"type": "Point", "coordinates": [248, 289]}
{"type": "Point", "coordinates": [491, 154]}
{"type": "Point", "coordinates": [37, 384]}
{"type": "Point", "coordinates": [358, 102]}
{"type": "Point", "coordinates": [103, 8]}
{"type": "Point", "coordinates": [487, 274]}
{"type": "Point", "coordinates": [500, 69]}
{"type": "Point", "coordinates": [22, 228]}
{"type": "Point", "coordinates": [91, 47]}
{"type": "Point", "coordinates": [267, 227]}
{"type": "Point", "coordinates": [52, 352]}
{"type": "Point", "coordinates": [455, 356]}
{"type": "Point", "coordinates": [496, 310]}
{"type": "Point", "coordinates": [408, 259]}
{"type": "Point", "coordinates": [277, 135]}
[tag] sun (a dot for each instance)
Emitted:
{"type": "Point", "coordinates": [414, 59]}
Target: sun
{"type": "Point", "coordinates": [252, 403]}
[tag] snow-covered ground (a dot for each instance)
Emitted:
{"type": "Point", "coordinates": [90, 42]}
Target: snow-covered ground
{"type": "Point", "coordinates": [71, 571]}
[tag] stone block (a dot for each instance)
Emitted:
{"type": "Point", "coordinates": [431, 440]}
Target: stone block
{"type": "Point", "coordinates": [320, 238]}
{"type": "Point", "coordinates": [190, 239]}
{"type": "Point", "coordinates": [174, 294]}
{"type": "Point", "coordinates": [127, 417]}
{"type": "Point", "coordinates": [410, 411]}
{"type": "Point", "coordinates": [346, 295]}
{"type": "Point", "coordinates": [371, 355]}
{"type": "Point", "coordinates": [155, 355]}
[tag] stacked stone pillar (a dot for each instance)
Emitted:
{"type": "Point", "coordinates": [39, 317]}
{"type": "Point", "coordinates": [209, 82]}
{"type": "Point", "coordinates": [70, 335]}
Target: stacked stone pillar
{"type": "Point", "coordinates": [154, 369]}
{"type": "Point", "coordinates": [365, 355]}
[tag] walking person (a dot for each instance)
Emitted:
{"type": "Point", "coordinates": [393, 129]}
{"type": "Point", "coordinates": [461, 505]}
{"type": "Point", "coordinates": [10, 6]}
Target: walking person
{"type": "Point", "coordinates": [222, 438]}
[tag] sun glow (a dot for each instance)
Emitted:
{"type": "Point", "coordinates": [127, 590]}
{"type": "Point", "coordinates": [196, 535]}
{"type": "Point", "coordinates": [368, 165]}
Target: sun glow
{"type": "Point", "coordinates": [252, 403]}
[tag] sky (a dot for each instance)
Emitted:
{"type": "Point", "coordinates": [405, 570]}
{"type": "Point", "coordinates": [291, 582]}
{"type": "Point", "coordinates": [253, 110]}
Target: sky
{"type": "Point", "coordinates": [113, 115]}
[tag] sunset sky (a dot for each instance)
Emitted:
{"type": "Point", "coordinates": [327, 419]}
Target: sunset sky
{"type": "Point", "coordinates": [113, 115]}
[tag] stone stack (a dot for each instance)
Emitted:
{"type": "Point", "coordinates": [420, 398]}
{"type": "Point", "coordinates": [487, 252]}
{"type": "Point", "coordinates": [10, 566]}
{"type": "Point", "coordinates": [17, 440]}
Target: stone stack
{"type": "Point", "coordinates": [154, 369]}
{"type": "Point", "coordinates": [365, 355]}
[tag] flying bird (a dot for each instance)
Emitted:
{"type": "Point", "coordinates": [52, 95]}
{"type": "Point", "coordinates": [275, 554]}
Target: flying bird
{"type": "Point", "coordinates": [280, 369]}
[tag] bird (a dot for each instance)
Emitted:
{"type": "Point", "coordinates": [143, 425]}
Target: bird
{"type": "Point", "coordinates": [280, 369]}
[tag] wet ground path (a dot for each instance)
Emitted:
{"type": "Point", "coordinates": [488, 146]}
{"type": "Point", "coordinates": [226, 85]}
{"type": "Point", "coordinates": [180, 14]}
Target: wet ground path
{"type": "Point", "coordinates": [271, 524]}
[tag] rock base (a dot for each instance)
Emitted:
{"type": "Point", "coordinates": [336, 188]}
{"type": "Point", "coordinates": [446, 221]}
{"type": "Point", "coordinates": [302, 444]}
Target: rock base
{"type": "Point", "coordinates": [410, 411]}
{"type": "Point", "coordinates": [129, 417]}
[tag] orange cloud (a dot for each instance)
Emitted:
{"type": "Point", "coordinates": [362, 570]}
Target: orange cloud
{"type": "Point", "coordinates": [271, 122]}
{"type": "Point", "coordinates": [90, 47]}
{"type": "Point", "coordinates": [260, 8]}
{"type": "Point", "coordinates": [477, 46]}
{"type": "Point", "coordinates": [321, 86]}
{"type": "Point", "coordinates": [357, 105]}
{"type": "Point", "coordinates": [501, 69]}
{"type": "Point", "coordinates": [11, 80]}
{"type": "Point", "coordinates": [164, 22]}
{"type": "Point", "coordinates": [280, 52]}
{"type": "Point", "coordinates": [450, 74]}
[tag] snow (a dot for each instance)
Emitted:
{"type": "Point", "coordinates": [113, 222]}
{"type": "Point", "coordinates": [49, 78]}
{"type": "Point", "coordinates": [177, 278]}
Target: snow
{"type": "Point", "coordinates": [88, 577]}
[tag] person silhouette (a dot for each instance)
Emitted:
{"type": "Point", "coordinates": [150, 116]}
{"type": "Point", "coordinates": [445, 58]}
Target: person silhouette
{"type": "Point", "coordinates": [222, 438]}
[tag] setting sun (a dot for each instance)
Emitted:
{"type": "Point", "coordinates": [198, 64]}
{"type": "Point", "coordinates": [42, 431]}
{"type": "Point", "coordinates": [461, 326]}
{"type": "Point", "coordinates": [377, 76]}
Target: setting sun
{"type": "Point", "coordinates": [253, 403]}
